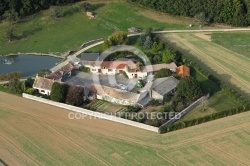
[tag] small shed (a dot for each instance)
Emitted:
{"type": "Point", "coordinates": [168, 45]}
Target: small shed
{"type": "Point", "coordinates": [183, 71]}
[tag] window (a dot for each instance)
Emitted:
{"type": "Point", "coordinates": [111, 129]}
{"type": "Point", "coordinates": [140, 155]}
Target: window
{"type": "Point", "coordinates": [42, 91]}
{"type": "Point", "coordinates": [93, 69]}
{"type": "Point", "coordinates": [110, 70]}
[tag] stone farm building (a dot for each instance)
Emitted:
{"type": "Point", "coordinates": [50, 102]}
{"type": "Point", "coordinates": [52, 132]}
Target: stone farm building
{"type": "Point", "coordinates": [43, 85]}
{"type": "Point", "coordinates": [61, 74]}
{"type": "Point", "coordinates": [163, 86]}
{"type": "Point", "coordinates": [119, 96]}
{"type": "Point", "coordinates": [98, 66]}
{"type": "Point", "coordinates": [159, 88]}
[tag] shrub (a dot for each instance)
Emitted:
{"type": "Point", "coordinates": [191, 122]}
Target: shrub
{"type": "Point", "coordinates": [163, 73]}
{"type": "Point", "coordinates": [148, 43]}
{"type": "Point", "coordinates": [15, 85]}
{"type": "Point", "coordinates": [59, 92]}
{"type": "Point", "coordinates": [30, 91]}
{"type": "Point", "coordinates": [189, 88]}
{"type": "Point", "coordinates": [85, 69]}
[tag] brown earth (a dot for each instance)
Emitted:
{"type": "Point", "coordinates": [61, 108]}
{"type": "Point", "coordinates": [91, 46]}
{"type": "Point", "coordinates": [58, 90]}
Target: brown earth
{"type": "Point", "coordinates": [33, 133]}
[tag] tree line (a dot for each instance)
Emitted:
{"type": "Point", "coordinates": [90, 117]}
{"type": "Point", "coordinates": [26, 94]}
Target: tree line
{"type": "Point", "coordinates": [234, 12]}
{"type": "Point", "coordinates": [27, 7]}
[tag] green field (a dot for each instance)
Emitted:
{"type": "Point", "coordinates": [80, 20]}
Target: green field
{"type": "Point", "coordinates": [238, 42]}
{"type": "Point", "coordinates": [228, 66]}
{"type": "Point", "coordinates": [33, 133]}
{"type": "Point", "coordinates": [39, 33]}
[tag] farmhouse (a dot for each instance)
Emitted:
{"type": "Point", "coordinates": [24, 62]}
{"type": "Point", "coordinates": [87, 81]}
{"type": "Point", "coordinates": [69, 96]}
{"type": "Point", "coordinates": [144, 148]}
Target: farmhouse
{"type": "Point", "coordinates": [163, 86]}
{"type": "Point", "coordinates": [43, 85]}
{"type": "Point", "coordinates": [63, 73]}
{"type": "Point", "coordinates": [183, 71]}
{"type": "Point", "coordinates": [119, 96]}
{"type": "Point", "coordinates": [98, 66]}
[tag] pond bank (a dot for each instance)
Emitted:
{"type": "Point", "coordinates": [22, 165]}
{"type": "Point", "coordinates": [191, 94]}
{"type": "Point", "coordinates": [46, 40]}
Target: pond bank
{"type": "Point", "coordinates": [39, 54]}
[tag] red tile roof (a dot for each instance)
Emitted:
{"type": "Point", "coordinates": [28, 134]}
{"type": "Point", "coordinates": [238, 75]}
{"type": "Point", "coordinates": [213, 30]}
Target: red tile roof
{"type": "Point", "coordinates": [117, 64]}
{"type": "Point", "coordinates": [183, 71]}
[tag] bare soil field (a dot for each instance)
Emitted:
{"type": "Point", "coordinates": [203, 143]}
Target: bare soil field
{"type": "Point", "coordinates": [33, 133]}
{"type": "Point", "coordinates": [227, 65]}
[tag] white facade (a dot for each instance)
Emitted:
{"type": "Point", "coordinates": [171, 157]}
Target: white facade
{"type": "Point", "coordinates": [44, 92]}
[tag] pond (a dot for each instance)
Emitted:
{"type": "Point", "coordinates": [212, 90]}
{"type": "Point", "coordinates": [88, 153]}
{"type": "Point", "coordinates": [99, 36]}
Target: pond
{"type": "Point", "coordinates": [28, 65]}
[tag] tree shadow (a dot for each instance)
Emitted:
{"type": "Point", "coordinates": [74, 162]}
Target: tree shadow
{"type": "Point", "coordinates": [94, 7]}
{"type": "Point", "coordinates": [27, 33]}
{"type": "Point", "coordinates": [71, 11]}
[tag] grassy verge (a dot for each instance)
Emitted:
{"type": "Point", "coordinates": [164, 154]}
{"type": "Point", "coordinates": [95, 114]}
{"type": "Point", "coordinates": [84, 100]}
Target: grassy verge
{"type": "Point", "coordinates": [7, 90]}
{"type": "Point", "coordinates": [238, 42]}
{"type": "Point", "coordinates": [39, 33]}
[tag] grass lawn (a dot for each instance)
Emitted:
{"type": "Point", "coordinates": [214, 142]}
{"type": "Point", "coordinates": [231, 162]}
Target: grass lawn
{"type": "Point", "coordinates": [219, 100]}
{"type": "Point", "coordinates": [238, 42]}
{"type": "Point", "coordinates": [206, 84]}
{"type": "Point", "coordinates": [6, 90]}
{"type": "Point", "coordinates": [39, 33]}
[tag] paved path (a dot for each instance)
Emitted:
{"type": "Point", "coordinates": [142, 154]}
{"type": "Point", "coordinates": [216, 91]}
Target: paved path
{"type": "Point", "coordinates": [74, 58]}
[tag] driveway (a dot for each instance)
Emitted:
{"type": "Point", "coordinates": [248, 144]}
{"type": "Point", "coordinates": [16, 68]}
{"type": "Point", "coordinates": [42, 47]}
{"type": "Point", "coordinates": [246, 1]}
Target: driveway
{"type": "Point", "coordinates": [86, 79]}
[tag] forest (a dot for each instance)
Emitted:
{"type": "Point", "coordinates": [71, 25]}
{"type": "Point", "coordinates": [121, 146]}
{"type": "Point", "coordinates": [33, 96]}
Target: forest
{"type": "Point", "coordinates": [27, 7]}
{"type": "Point", "coordinates": [234, 12]}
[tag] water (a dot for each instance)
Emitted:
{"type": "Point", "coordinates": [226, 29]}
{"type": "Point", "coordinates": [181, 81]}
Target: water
{"type": "Point", "coordinates": [28, 65]}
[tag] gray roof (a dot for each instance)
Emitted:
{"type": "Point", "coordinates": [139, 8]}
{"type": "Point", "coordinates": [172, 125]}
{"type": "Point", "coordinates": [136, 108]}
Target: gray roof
{"type": "Point", "coordinates": [89, 56]}
{"type": "Point", "coordinates": [43, 83]}
{"type": "Point", "coordinates": [164, 85]}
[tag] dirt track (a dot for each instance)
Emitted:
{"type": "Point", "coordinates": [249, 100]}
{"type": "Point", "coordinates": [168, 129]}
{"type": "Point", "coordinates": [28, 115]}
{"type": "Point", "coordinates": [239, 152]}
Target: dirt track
{"type": "Point", "coordinates": [225, 64]}
{"type": "Point", "coordinates": [36, 134]}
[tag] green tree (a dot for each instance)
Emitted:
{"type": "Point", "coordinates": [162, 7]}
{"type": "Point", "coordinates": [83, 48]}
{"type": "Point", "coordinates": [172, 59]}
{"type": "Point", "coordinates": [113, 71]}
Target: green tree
{"type": "Point", "coordinates": [163, 73]}
{"type": "Point", "coordinates": [59, 92]}
{"type": "Point", "coordinates": [148, 32]}
{"type": "Point", "coordinates": [148, 43]}
{"type": "Point", "coordinates": [141, 39]}
{"type": "Point", "coordinates": [29, 82]}
{"type": "Point", "coordinates": [189, 88]}
{"type": "Point", "coordinates": [11, 16]}
{"type": "Point", "coordinates": [155, 47]}
{"type": "Point", "coordinates": [201, 17]}
{"type": "Point", "coordinates": [43, 72]}
{"type": "Point", "coordinates": [85, 6]}
{"type": "Point", "coordinates": [15, 85]}
{"type": "Point", "coordinates": [56, 12]}
{"type": "Point", "coordinates": [118, 38]}
{"type": "Point", "coordinates": [169, 55]}
{"type": "Point", "coordinates": [10, 32]}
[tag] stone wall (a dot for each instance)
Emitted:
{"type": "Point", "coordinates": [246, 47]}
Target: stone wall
{"type": "Point", "coordinates": [92, 113]}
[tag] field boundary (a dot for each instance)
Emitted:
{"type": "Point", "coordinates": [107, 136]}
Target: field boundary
{"type": "Point", "coordinates": [92, 113]}
{"type": "Point", "coordinates": [186, 110]}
